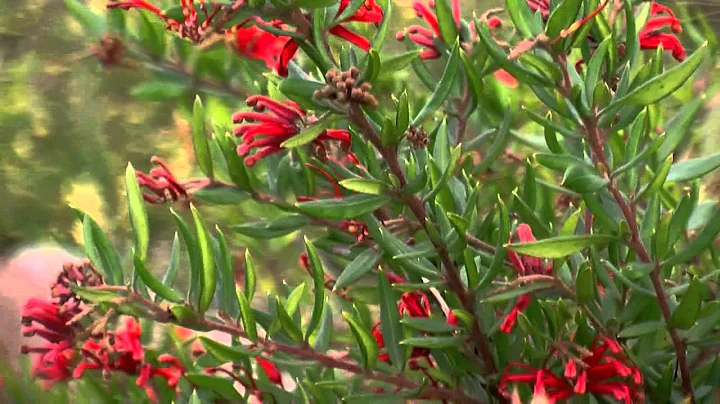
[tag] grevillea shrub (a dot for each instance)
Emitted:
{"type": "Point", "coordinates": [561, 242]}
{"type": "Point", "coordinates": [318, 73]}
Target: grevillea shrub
{"type": "Point", "coordinates": [487, 206]}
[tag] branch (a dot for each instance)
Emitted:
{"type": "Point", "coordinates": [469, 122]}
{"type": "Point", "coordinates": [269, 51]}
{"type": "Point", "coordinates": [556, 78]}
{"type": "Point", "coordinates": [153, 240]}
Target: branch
{"type": "Point", "coordinates": [417, 207]}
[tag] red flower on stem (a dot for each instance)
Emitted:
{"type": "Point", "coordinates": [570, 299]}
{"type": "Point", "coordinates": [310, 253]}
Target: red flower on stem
{"type": "Point", "coordinates": [428, 39]}
{"type": "Point", "coordinates": [161, 183]}
{"type": "Point", "coordinates": [187, 28]}
{"type": "Point", "coordinates": [272, 372]}
{"type": "Point", "coordinates": [272, 123]}
{"type": "Point", "coordinates": [652, 36]}
{"type": "Point", "coordinates": [524, 265]}
{"type": "Point", "coordinates": [603, 371]}
{"type": "Point", "coordinates": [369, 12]}
{"type": "Point", "coordinates": [255, 43]}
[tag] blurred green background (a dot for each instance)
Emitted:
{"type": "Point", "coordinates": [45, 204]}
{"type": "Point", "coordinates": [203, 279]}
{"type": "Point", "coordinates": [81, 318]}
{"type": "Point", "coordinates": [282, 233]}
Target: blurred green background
{"type": "Point", "coordinates": [68, 127]}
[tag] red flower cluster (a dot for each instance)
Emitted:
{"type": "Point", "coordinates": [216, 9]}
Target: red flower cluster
{"type": "Point", "coordinates": [651, 36]}
{"type": "Point", "coordinates": [603, 371]}
{"type": "Point", "coordinates": [161, 183]}
{"type": "Point", "coordinates": [272, 123]}
{"type": "Point", "coordinates": [428, 38]}
{"type": "Point", "coordinates": [523, 266]}
{"type": "Point", "coordinates": [369, 12]}
{"type": "Point", "coordinates": [187, 28]}
{"type": "Point", "coordinates": [60, 323]}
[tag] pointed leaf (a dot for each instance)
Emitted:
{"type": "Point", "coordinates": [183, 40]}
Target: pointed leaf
{"type": "Point", "coordinates": [343, 208]}
{"type": "Point", "coordinates": [154, 284]}
{"type": "Point", "coordinates": [208, 276]}
{"type": "Point", "coordinates": [559, 247]}
{"type": "Point", "coordinates": [443, 88]}
{"type": "Point", "coordinates": [368, 345]}
{"type": "Point", "coordinates": [687, 311]}
{"type": "Point", "coordinates": [200, 139]}
{"type": "Point", "coordinates": [247, 316]}
{"type": "Point", "coordinates": [319, 285]}
{"type": "Point", "coordinates": [357, 268]}
{"type": "Point", "coordinates": [390, 322]}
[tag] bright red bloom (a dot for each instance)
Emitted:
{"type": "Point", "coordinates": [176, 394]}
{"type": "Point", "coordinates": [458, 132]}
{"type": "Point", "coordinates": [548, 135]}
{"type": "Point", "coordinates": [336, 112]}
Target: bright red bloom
{"type": "Point", "coordinates": [255, 43]}
{"type": "Point", "coordinates": [161, 183]}
{"type": "Point", "coordinates": [414, 304]}
{"type": "Point", "coordinates": [652, 36]}
{"type": "Point", "coordinates": [524, 265]}
{"type": "Point", "coordinates": [187, 28]}
{"type": "Point", "coordinates": [605, 372]}
{"type": "Point", "coordinates": [541, 6]}
{"type": "Point", "coordinates": [272, 372]}
{"type": "Point", "coordinates": [428, 39]}
{"type": "Point", "coordinates": [272, 123]}
{"type": "Point", "coordinates": [369, 12]}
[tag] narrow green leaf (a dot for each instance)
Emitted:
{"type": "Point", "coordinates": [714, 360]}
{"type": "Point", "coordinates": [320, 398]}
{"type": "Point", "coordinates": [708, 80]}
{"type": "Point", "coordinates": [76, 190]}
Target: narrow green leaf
{"type": "Point", "coordinates": [701, 242]}
{"type": "Point", "coordinates": [585, 285]}
{"type": "Point", "coordinates": [222, 195]}
{"type": "Point", "coordinates": [402, 118]}
{"type": "Point", "coordinates": [350, 10]}
{"type": "Point", "coordinates": [138, 215]}
{"type": "Point", "coordinates": [270, 229]}
{"type": "Point", "coordinates": [246, 315]}
{"type": "Point", "coordinates": [518, 291]}
{"type": "Point", "coordinates": [594, 70]}
{"type": "Point", "coordinates": [154, 284]}
{"type": "Point", "coordinates": [661, 86]}
{"type": "Point", "coordinates": [382, 31]}
{"type": "Point", "coordinates": [319, 285]}
{"type": "Point", "coordinates": [658, 180]}
{"type": "Point", "coordinates": [521, 16]}
{"type": "Point", "coordinates": [446, 21]}
{"type": "Point", "coordinates": [343, 208]}
{"type": "Point", "coordinates": [101, 252]}
{"type": "Point", "coordinates": [225, 353]}
{"type": "Point", "coordinates": [442, 91]}
{"type": "Point", "coordinates": [250, 276]}
{"type": "Point", "coordinates": [365, 186]}
{"type": "Point", "coordinates": [559, 247]}
{"type": "Point", "coordinates": [449, 171]}
{"type": "Point", "coordinates": [171, 272]}
{"type": "Point", "coordinates": [208, 276]}
{"type": "Point", "coordinates": [291, 328]}
{"type": "Point", "coordinates": [390, 322]}
{"type": "Point", "coordinates": [515, 69]}
{"type": "Point", "coordinates": [196, 265]}
{"type": "Point", "coordinates": [306, 136]}
{"type": "Point", "coordinates": [583, 180]}
{"type": "Point", "coordinates": [323, 337]}
{"type": "Point", "coordinates": [396, 63]}
{"type": "Point", "coordinates": [218, 385]}
{"type": "Point", "coordinates": [689, 170]}
{"type": "Point", "coordinates": [368, 345]}
{"type": "Point", "coordinates": [640, 329]}
{"type": "Point", "coordinates": [200, 139]}
{"type": "Point", "coordinates": [227, 272]}
{"type": "Point", "coordinates": [357, 268]}
{"type": "Point", "coordinates": [430, 325]}
{"type": "Point", "coordinates": [687, 311]}
{"type": "Point", "coordinates": [498, 261]}
{"type": "Point", "coordinates": [434, 342]}
{"type": "Point", "coordinates": [498, 145]}
{"type": "Point", "coordinates": [677, 127]}
{"type": "Point", "coordinates": [562, 16]}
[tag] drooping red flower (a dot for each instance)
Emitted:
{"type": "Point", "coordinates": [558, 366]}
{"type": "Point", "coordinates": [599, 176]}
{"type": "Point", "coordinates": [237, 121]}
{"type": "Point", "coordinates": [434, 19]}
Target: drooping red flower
{"type": "Point", "coordinates": [161, 183]}
{"type": "Point", "coordinates": [605, 371]}
{"type": "Point", "coordinates": [189, 27]}
{"type": "Point", "coordinates": [272, 123]}
{"type": "Point", "coordinates": [652, 36]}
{"type": "Point", "coordinates": [271, 371]}
{"type": "Point", "coordinates": [524, 265]}
{"type": "Point", "coordinates": [428, 39]}
{"type": "Point", "coordinates": [370, 12]}
{"type": "Point", "coordinates": [256, 43]}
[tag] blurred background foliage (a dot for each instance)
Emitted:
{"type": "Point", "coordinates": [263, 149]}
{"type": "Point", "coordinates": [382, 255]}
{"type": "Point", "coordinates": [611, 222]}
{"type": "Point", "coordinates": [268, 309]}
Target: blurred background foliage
{"type": "Point", "coordinates": [68, 127]}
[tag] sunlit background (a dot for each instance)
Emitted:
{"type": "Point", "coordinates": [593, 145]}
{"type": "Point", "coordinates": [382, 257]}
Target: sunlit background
{"type": "Point", "coordinates": [68, 128]}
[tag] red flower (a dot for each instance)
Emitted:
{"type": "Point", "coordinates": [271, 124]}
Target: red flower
{"type": "Point", "coordinates": [272, 123]}
{"type": "Point", "coordinates": [428, 38]}
{"type": "Point", "coordinates": [414, 304]}
{"type": "Point", "coordinates": [272, 372]}
{"type": "Point", "coordinates": [369, 12]}
{"type": "Point", "coordinates": [255, 43]}
{"type": "Point", "coordinates": [542, 6]}
{"type": "Point", "coordinates": [604, 372]}
{"type": "Point", "coordinates": [187, 28]}
{"type": "Point", "coordinates": [161, 183]}
{"type": "Point", "coordinates": [651, 35]}
{"type": "Point", "coordinates": [525, 265]}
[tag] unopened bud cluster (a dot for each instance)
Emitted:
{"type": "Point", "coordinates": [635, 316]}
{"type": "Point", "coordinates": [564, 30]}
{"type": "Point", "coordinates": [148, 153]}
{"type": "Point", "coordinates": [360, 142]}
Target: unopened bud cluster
{"type": "Point", "coordinates": [417, 137]}
{"type": "Point", "coordinates": [343, 87]}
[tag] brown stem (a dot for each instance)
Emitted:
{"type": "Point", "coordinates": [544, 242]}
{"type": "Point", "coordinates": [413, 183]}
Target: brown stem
{"type": "Point", "coordinates": [389, 154]}
{"type": "Point", "coordinates": [635, 242]}
{"type": "Point", "coordinates": [428, 392]}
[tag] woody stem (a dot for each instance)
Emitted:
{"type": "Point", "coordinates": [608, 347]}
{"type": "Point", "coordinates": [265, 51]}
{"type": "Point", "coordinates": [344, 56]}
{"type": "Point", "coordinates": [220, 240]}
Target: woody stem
{"type": "Point", "coordinates": [635, 242]}
{"type": "Point", "coordinates": [417, 207]}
